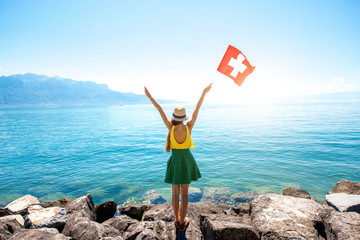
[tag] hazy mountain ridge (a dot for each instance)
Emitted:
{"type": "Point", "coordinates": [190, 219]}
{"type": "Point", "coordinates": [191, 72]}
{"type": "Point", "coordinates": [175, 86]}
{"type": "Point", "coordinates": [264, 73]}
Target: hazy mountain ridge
{"type": "Point", "coordinates": [33, 89]}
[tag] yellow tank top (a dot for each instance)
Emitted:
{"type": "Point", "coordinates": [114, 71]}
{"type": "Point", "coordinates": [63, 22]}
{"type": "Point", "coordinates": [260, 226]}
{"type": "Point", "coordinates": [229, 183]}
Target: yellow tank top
{"type": "Point", "coordinates": [188, 143]}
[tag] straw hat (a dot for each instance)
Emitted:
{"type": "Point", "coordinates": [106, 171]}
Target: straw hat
{"type": "Point", "coordinates": [179, 114]}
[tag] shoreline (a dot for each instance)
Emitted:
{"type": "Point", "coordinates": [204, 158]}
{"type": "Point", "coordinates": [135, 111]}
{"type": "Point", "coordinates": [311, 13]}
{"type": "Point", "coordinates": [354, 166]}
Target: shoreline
{"type": "Point", "coordinates": [295, 215]}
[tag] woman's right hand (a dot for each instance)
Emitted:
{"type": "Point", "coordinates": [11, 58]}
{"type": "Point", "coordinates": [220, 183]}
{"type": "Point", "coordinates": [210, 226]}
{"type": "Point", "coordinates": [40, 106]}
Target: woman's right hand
{"type": "Point", "coordinates": [207, 89]}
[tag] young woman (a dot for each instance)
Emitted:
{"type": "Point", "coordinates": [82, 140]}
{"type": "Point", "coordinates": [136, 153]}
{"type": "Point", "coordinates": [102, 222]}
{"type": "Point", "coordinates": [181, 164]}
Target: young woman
{"type": "Point", "coordinates": [181, 166]}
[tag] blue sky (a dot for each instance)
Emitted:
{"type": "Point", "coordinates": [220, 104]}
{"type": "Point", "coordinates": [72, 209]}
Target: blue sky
{"type": "Point", "coordinates": [175, 47]}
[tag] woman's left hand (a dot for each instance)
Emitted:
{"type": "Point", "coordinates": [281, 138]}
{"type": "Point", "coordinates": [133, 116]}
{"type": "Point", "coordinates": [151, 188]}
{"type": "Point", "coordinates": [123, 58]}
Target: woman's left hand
{"type": "Point", "coordinates": [147, 93]}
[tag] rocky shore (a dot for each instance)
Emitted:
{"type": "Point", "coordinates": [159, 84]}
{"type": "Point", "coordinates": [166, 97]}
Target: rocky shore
{"type": "Point", "coordinates": [293, 215]}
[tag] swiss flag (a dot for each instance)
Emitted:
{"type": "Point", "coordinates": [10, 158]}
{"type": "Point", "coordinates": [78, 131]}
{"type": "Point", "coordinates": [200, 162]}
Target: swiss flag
{"type": "Point", "coordinates": [235, 65]}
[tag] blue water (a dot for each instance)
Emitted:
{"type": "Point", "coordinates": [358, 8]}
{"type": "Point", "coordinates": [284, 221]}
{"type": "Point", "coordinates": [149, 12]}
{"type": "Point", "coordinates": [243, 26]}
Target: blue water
{"type": "Point", "coordinates": [117, 152]}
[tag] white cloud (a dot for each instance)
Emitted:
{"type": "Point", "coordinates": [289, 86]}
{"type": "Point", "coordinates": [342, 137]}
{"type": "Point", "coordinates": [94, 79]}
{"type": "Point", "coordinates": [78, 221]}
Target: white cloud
{"type": "Point", "coordinates": [339, 80]}
{"type": "Point", "coordinates": [0, 68]}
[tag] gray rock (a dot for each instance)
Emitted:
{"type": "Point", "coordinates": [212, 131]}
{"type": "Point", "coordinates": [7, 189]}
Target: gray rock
{"type": "Point", "coordinates": [17, 217]}
{"type": "Point", "coordinates": [162, 212]}
{"type": "Point", "coordinates": [286, 217]}
{"type": "Point", "coordinates": [58, 203]}
{"type": "Point", "coordinates": [38, 214]}
{"type": "Point", "coordinates": [121, 223]}
{"type": "Point", "coordinates": [152, 197]}
{"type": "Point", "coordinates": [8, 227]}
{"type": "Point", "coordinates": [135, 211]}
{"type": "Point", "coordinates": [81, 207]}
{"type": "Point", "coordinates": [21, 204]}
{"type": "Point", "coordinates": [81, 228]}
{"type": "Point", "coordinates": [244, 197]}
{"type": "Point", "coordinates": [344, 202]}
{"type": "Point", "coordinates": [57, 221]}
{"type": "Point", "coordinates": [342, 225]}
{"type": "Point", "coordinates": [227, 228]}
{"type": "Point", "coordinates": [345, 186]}
{"type": "Point", "coordinates": [159, 230]}
{"type": "Point", "coordinates": [241, 209]}
{"type": "Point", "coordinates": [296, 192]}
{"type": "Point", "coordinates": [104, 211]}
{"type": "Point", "coordinates": [4, 212]}
{"type": "Point", "coordinates": [112, 238]}
{"type": "Point", "coordinates": [41, 234]}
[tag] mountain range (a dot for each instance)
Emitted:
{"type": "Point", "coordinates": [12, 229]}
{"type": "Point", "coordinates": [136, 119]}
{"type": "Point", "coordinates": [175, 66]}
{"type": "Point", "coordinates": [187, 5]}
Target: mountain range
{"type": "Point", "coordinates": [34, 89]}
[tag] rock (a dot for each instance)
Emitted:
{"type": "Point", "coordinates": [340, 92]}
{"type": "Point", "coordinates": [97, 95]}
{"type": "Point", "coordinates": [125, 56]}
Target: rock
{"type": "Point", "coordinates": [296, 192]}
{"type": "Point", "coordinates": [135, 211]}
{"type": "Point", "coordinates": [195, 194]}
{"type": "Point", "coordinates": [104, 211]}
{"type": "Point", "coordinates": [241, 209]}
{"type": "Point", "coordinates": [162, 212]}
{"type": "Point", "coordinates": [81, 228]}
{"type": "Point", "coordinates": [21, 204]}
{"type": "Point", "coordinates": [159, 230]}
{"type": "Point", "coordinates": [58, 203]}
{"type": "Point", "coordinates": [8, 227]}
{"type": "Point", "coordinates": [285, 217]}
{"type": "Point", "coordinates": [46, 218]}
{"type": "Point", "coordinates": [345, 186]}
{"type": "Point", "coordinates": [218, 195]}
{"type": "Point", "coordinates": [226, 227]}
{"type": "Point", "coordinates": [244, 197]}
{"type": "Point", "coordinates": [17, 217]}
{"type": "Point", "coordinates": [43, 233]}
{"type": "Point", "coordinates": [342, 225]}
{"type": "Point", "coordinates": [112, 238]}
{"type": "Point", "coordinates": [81, 207]}
{"type": "Point", "coordinates": [4, 212]}
{"type": "Point", "coordinates": [121, 223]}
{"type": "Point", "coordinates": [165, 213]}
{"type": "Point", "coordinates": [344, 202]}
{"type": "Point", "coordinates": [153, 197]}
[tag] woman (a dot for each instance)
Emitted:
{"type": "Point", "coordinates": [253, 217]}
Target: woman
{"type": "Point", "coordinates": [181, 166]}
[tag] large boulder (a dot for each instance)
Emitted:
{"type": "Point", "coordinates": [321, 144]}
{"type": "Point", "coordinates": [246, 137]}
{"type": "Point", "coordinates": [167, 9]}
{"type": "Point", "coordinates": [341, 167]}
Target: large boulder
{"type": "Point", "coordinates": [226, 227]}
{"type": "Point", "coordinates": [345, 186]}
{"type": "Point", "coordinates": [152, 197]}
{"type": "Point", "coordinates": [344, 202]}
{"type": "Point", "coordinates": [58, 203]}
{"type": "Point", "coordinates": [8, 227]}
{"type": "Point", "coordinates": [51, 217]}
{"type": "Point", "coordinates": [121, 223]}
{"type": "Point", "coordinates": [285, 217]}
{"type": "Point", "coordinates": [82, 228]}
{"type": "Point", "coordinates": [342, 225]}
{"type": "Point", "coordinates": [21, 204]}
{"type": "Point", "coordinates": [104, 211]}
{"type": "Point", "coordinates": [296, 192]}
{"type": "Point", "coordinates": [135, 211]}
{"type": "Point", "coordinates": [159, 230]}
{"type": "Point", "coordinates": [17, 217]}
{"type": "Point", "coordinates": [43, 233]}
{"type": "Point", "coordinates": [81, 207]}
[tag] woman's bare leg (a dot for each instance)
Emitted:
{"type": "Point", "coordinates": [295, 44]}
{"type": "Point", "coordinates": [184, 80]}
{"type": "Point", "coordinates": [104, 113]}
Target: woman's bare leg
{"type": "Point", "coordinates": [184, 201]}
{"type": "Point", "coordinates": [175, 200]}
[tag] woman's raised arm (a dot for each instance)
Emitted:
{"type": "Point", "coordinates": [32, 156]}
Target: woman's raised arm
{"type": "Point", "coordinates": [158, 107]}
{"type": "Point", "coordinates": [193, 118]}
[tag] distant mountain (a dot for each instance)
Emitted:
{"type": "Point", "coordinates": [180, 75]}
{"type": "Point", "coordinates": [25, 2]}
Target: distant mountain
{"type": "Point", "coordinates": [33, 89]}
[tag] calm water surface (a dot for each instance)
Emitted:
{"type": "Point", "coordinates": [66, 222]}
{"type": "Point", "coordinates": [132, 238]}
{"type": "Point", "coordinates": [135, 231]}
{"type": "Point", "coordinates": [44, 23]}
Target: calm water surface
{"type": "Point", "coordinates": [117, 152]}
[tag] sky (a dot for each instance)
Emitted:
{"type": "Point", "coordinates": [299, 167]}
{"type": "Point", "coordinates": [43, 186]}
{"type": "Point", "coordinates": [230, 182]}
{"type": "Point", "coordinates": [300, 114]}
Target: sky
{"type": "Point", "coordinates": [174, 47]}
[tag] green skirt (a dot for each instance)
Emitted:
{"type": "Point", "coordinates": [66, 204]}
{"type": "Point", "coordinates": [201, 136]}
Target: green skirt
{"type": "Point", "coordinates": [181, 167]}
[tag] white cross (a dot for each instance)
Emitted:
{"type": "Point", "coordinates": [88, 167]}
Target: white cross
{"type": "Point", "coordinates": [237, 65]}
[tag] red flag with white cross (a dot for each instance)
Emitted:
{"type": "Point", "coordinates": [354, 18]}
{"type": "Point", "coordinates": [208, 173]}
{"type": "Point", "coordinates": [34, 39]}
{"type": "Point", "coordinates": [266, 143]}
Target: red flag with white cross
{"type": "Point", "coordinates": [235, 65]}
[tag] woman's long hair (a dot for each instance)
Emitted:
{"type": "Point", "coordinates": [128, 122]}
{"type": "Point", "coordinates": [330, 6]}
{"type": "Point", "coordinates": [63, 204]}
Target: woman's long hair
{"type": "Point", "coordinates": [167, 143]}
